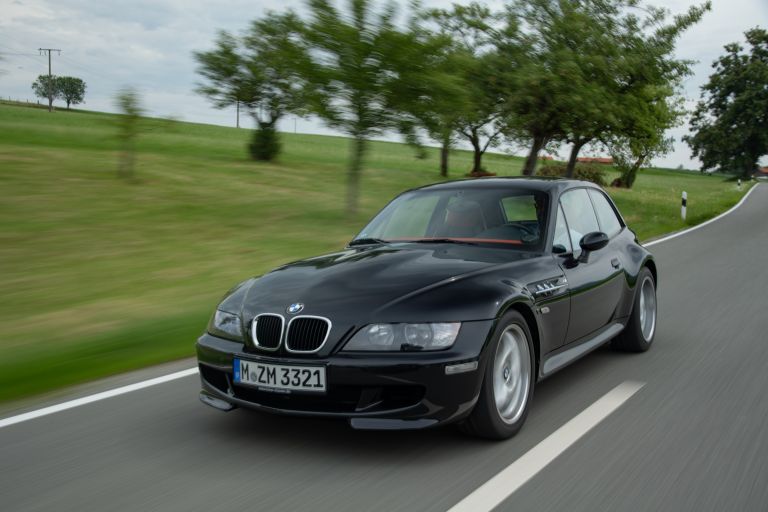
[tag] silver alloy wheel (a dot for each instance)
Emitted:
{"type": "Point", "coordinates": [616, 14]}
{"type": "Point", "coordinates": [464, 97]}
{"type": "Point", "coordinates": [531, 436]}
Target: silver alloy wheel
{"type": "Point", "coordinates": [647, 309]}
{"type": "Point", "coordinates": [512, 374]}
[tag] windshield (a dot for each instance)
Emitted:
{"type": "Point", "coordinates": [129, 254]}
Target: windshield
{"type": "Point", "coordinates": [514, 218]}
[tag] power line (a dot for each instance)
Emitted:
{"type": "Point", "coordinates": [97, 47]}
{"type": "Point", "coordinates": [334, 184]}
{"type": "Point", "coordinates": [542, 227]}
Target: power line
{"type": "Point", "coordinates": [43, 51]}
{"type": "Point", "coordinates": [81, 67]}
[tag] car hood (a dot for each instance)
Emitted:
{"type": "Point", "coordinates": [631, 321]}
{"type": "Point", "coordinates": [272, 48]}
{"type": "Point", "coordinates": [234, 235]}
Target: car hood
{"type": "Point", "coordinates": [358, 284]}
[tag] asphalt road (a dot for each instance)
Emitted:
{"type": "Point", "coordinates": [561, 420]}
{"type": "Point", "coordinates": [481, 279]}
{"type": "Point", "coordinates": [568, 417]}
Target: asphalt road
{"type": "Point", "coordinates": [695, 437]}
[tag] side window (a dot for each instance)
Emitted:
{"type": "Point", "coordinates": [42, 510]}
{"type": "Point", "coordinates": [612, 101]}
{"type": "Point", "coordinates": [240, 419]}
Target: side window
{"type": "Point", "coordinates": [580, 216]}
{"type": "Point", "coordinates": [561, 232]}
{"type": "Point", "coordinates": [605, 213]}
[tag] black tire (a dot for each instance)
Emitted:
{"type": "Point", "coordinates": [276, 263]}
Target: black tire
{"type": "Point", "coordinates": [485, 420]}
{"type": "Point", "coordinates": [632, 338]}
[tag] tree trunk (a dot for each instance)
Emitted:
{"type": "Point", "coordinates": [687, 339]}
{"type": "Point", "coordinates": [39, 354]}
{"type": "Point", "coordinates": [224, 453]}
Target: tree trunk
{"type": "Point", "coordinates": [571, 167]}
{"type": "Point", "coordinates": [444, 149]}
{"type": "Point", "coordinates": [477, 161]}
{"type": "Point", "coordinates": [68, 104]}
{"type": "Point", "coordinates": [127, 157]}
{"type": "Point", "coordinates": [628, 178]}
{"type": "Point", "coordinates": [530, 162]}
{"type": "Point", "coordinates": [353, 174]}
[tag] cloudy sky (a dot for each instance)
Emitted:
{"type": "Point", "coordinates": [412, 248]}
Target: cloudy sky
{"type": "Point", "coordinates": [148, 44]}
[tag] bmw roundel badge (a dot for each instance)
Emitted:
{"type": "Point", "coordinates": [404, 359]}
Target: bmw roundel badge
{"type": "Point", "coordinates": [295, 308]}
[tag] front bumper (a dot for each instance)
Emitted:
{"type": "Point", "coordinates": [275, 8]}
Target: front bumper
{"type": "Point", "coordinates": [372, 391]}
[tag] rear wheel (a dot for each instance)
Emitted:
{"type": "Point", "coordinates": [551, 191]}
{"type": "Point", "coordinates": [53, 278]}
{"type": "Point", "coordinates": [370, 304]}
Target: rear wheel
{"type": "Point", "coordinates": [640, 331]}
{"type": "Point", "coordinates": [507, 384]}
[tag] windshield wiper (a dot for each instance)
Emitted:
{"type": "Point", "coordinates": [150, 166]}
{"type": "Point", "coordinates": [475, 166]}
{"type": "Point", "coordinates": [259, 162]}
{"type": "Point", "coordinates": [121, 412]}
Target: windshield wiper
{"type": "Point", "coordinates": [442, 241]}
{"type": "Point", "coordinates": [366, 241]}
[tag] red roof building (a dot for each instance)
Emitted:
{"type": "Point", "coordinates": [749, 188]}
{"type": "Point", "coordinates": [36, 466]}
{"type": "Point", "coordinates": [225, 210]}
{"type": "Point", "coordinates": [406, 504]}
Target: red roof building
{"type": "Point", "coordinates": [595, 160]}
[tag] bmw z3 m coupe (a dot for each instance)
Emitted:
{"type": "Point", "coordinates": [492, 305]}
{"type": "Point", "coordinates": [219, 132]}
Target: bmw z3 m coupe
{"type": "Point", "coordinates": [448, 307]}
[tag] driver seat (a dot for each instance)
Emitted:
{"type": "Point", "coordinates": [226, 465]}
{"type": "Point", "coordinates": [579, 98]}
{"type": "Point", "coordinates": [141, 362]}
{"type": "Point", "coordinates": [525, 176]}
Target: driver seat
{"type": "Point", "coordinates": [463, 219]}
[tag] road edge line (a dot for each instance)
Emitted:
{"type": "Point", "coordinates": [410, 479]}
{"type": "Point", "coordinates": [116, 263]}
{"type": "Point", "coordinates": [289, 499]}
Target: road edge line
{"type": "Point", "coordinates": [45, 411]}
{"type": "Point", "coordinates": [510, 479]}
{"type": "Point", "coordinates": [706, 222]}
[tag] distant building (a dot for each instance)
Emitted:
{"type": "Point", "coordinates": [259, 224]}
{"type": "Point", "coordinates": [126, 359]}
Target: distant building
{"type": "Point", "coordinates": [546, 157]}
{"type": "Point", "coordinates": [595, 160]}
{"type": "Point", "coordinates": [761, 172]}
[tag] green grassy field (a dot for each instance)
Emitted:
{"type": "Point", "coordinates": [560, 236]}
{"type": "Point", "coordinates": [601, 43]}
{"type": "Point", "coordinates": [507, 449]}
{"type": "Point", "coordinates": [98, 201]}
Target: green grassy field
{"type": "Point", "coordinates": [99, 275]}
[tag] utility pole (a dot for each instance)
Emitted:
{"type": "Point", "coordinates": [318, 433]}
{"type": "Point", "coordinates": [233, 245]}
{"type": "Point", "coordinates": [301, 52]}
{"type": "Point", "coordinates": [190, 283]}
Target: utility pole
{"type": "Point", "coordinates": [43, 51]}
{"type": "Point", "coordinates": [238, 113]}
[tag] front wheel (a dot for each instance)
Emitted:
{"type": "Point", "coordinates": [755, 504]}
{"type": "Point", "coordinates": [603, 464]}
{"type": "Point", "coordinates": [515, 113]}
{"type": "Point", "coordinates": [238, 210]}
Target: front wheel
{"type": "Point", "coordinates": [508, 382]}
{"type": "Point", "coordinates": [640, 331]}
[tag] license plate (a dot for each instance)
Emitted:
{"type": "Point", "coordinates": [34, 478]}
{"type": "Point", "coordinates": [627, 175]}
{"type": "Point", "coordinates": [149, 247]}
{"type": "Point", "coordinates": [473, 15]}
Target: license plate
{"type": "Point", "coordinates": [279, 377]}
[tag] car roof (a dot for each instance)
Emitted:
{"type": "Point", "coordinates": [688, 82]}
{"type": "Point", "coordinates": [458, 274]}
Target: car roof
{"type": "Point", "coordinates": [542, 184]}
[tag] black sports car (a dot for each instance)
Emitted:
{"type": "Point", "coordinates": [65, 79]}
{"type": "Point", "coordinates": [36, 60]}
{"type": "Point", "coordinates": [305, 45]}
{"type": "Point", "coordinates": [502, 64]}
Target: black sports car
{"type": "Point", "coordinates": [448, 307]}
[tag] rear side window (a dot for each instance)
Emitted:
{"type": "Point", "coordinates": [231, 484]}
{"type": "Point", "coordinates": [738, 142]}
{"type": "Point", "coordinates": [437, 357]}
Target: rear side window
{"type": "Point", "coordinates": [519, 208]}
{"type": "Point", "coordinates": [579, 214]}
{"type": "Point", "coordinates": [605, 213]}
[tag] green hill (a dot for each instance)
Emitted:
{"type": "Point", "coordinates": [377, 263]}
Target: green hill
{"type": "Point", "coordinates": [99, 275]}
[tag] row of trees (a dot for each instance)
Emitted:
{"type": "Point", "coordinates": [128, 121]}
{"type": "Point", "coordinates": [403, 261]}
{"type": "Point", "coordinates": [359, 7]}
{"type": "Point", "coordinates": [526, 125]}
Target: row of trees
{"type": "Point", "coordinates": [68, 88]}
{"type": "Point", "coordinates": [539, 73]}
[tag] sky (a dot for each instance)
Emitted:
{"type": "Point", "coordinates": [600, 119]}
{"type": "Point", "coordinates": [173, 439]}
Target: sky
{"type": "Point", "coordinates": [148, 44]}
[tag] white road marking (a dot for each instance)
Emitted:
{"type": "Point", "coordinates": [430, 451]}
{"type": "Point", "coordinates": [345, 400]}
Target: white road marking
{"type": "Point", "coordinates": [191, 371]}
{"type": "Point", "coordinates": [710, 221]}
{"type": "Point", "coordinates": [95, 398]}
{"type": "Point", "coordinates": [511, 478]}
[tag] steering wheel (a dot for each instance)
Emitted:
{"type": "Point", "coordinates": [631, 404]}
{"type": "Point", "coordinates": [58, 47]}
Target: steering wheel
{"type": "Point", "coordinates": [522, 227]}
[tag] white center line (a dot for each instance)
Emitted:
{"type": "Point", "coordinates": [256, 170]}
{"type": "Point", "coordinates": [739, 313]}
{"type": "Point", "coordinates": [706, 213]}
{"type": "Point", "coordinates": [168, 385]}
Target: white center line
{"type": "Point", "coordinates": [5, 422]}
{"type": "Point", "coordinates": [511, 478]}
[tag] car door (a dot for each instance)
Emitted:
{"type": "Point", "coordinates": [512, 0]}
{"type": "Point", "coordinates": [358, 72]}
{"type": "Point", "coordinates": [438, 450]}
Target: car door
{"type": "Point", "coordinates": [595, 285]}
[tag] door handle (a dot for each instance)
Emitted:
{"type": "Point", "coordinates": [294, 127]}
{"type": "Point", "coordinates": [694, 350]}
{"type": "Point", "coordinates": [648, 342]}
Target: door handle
{"type": "Point", "coordinates": [615, 262]}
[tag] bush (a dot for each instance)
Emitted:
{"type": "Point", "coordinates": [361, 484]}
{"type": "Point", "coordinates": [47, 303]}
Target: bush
{"type": "Point", "coordinates": [265, 145]}
{"type": "Point", "coordinates": [586, 172]}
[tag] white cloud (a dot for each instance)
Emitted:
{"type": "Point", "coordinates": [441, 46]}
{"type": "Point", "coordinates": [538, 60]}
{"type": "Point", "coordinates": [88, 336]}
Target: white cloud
{"type": "Point", "coordinates": [149, 44]}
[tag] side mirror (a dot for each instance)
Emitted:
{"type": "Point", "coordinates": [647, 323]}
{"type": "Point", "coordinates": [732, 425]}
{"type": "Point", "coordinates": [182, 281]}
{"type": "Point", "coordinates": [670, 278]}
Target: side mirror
{"type": "Point", "coordinates": [591, 242]}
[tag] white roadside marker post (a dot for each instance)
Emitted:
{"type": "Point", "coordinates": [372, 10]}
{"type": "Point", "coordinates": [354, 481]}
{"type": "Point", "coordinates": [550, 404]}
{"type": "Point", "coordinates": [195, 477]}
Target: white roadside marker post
{"type": "Point", "coordinates": [739, 183]}
{"type": "Point", "coordinates": [684, 205]}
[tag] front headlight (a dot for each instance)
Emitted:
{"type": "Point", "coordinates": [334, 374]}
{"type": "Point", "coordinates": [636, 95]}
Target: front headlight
{"type": "Point", "coordinates": [226, 325]}
{"type": "Point", "coordinates": [404, 337]}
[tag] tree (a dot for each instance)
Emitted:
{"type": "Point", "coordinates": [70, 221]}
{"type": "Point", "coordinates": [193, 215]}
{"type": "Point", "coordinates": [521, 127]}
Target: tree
{"type": "Point", "coordinates": [566, 87]}
{"type": "Point", "coordinates": [360, 64]}
{"type": "Point", "coordinates": [730, 124]}
{"type": "Point", "coordinates": [650, 79]}
{"type": "Point", "coordinates": [70, 89]}
{"type": "Point", "coordinates": [435, 98]}
{"type": "Point", "coordinates": [128, 104]}
{"type": "Point", "coordinates": [476, 116]}
{"type": "Point", "coordinates": [584, 63]}
{"type": "Point", "coordinates": [257, 71]}
{"type": "Point", "coordinates": [45, 87]}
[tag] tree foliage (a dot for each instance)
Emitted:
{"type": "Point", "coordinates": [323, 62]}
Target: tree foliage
{"type": "Point", "coordinates": [730, 124]}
